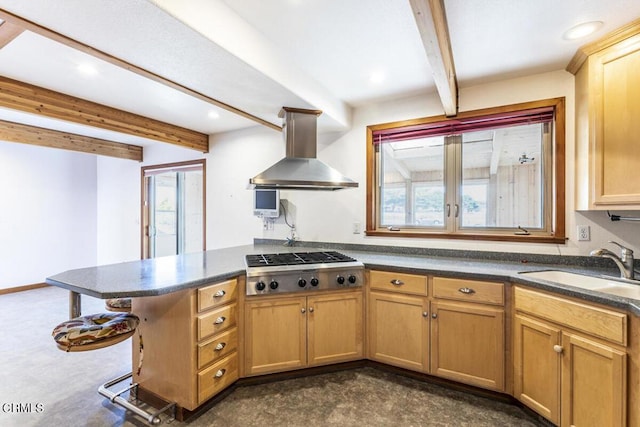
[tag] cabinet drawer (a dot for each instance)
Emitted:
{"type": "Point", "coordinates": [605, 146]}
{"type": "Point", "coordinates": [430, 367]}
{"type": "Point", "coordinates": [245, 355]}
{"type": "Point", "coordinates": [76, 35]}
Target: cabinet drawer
{"type": "Point", "coordinates": [216, 295]}
{"type": "Point", "coordinates": [217, 377]}
{"type": "Point", "coordinates": [468, 290]}
{"type": "Point", "coordinates": [607, 324]}
{"type": "Point", "coordinates": [217, 347]}
{"type": "Point", "coordinates": [217, 320]}
{"type": "Point", "coordinates": [398, 282]}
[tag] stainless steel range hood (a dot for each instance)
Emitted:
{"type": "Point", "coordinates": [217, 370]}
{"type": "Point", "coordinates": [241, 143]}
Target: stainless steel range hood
{"type": "Point", "coordinates": [300, 170]}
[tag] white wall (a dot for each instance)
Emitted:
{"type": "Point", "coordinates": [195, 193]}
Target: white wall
{"type": "Point", "coordinates": [47, 213]}
{"type": "Point", "coordinates": [234, 157]}
{"type": "Point", "coordinates": [119, 201]}
{"type": "Point", "coordinates": [329, 216]}
{"type": "Point", "coordinates": [64, 210]}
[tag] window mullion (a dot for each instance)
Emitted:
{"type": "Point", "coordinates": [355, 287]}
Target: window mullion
{"type": "Point", "coordinates": [452, 182]}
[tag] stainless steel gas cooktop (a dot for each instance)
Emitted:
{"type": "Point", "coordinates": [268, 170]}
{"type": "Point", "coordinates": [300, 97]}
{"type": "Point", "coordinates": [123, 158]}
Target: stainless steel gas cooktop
{"type": "Point", "coordinates": [301, 271]}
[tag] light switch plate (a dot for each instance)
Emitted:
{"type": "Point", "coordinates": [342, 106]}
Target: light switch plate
{"type": "Point", "coordinates": [584, 233]}
{"type": "Point", "coordinates": [357, 228]}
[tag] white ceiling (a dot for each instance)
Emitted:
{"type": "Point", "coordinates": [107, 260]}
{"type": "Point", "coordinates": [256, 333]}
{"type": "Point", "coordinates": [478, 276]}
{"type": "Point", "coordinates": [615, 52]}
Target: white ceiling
{"type": "Point", "coordinates": [261, 55]}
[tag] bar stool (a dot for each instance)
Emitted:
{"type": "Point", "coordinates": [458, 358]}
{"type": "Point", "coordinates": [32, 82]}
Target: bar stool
{"type": "Point", "coordinates": [101, 330]}
{"type": "Point", "coordinates": [118, 304]}
{"type": "Point", "coordinates": [94, 331]}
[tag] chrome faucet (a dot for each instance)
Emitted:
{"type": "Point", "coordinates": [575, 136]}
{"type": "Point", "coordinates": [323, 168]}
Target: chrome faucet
{"type": "Point", "coordinates": [624, 261]}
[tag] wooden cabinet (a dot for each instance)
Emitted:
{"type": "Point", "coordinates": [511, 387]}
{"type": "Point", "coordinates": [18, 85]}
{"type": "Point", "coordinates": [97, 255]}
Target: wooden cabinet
{"type": "Point", "coordinates": [593, 383]}
{"type": "Point", "coordinates": [570, 360]}
{"type": "Point", "coordinates": [537, 366]}
{"type": "Point", "coordinates": [457, 334]}
{"type": "Point", "coordinates": [275, 335]}
{"type": "Point", "coordinates": [467, 332]}
{"type": "Point", "coordinates": [294, 332]}
{"type": "Point", "coordinates": [467, 343]}
{"type": "Point", "coordinates": [607, 108]}
{"type": "Point", "coordinates": [399, 330]}
{"type": "Point", "coordinates": [187, 343]}
{"type": "Point", "coordinates": [334, 328]}
{"type": "Point", "coordinates": [398, 320]}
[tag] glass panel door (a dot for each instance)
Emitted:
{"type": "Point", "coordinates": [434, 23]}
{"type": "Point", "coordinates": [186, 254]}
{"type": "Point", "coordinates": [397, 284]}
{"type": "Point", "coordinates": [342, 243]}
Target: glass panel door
{"type": "Point", "coordinates": [174, 210]}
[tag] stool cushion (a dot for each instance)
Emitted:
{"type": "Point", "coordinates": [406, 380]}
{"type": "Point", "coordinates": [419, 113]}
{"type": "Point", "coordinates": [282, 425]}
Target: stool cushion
{"type": "Point", "coordinates": [118, 304]}
{"type": "Point", "coordinates": [93, 328]}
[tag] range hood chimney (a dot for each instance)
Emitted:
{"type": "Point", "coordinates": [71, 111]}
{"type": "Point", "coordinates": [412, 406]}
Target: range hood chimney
{"type": "Point", "coordinates": [300, 170]}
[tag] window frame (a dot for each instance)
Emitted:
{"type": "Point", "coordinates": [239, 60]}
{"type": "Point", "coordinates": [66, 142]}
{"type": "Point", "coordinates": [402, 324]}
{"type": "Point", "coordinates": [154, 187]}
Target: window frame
{"type": "Point", "coordinates": [555, 186]}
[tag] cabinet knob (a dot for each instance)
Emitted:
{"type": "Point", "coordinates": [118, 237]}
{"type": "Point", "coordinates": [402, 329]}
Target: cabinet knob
{"type": "Point", "coordinates": [557, 348]}
{"type": "Point", "coordinates": [303, 310]}
{"type": "Point", "coordinates": [220, 346]}
{"type": "Point", "coordinates": [220, 373]}
{"type": "Point", "coordinates": [467, 291]}
{"type": "Point", "coordinates": [425, 314]}
{"type": "Point", "coordinates": [434, 315]}
{"type": "Point", "coordinates": [220, 320]}
{"type": "Point", "coordinates": [219, 294]}
{"type": "Point", "coordinates": [397, 282]}
{"type": "Point", "coordinates": [310, 309]}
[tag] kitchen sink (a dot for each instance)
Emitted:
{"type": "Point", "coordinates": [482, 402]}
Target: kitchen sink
{"type": "Point", "coordinates": [606, 285]}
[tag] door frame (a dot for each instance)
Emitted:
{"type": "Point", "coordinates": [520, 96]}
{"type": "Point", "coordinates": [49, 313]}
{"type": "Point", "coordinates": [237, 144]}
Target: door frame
{"type": "Point", "coordinates": [144, 208]}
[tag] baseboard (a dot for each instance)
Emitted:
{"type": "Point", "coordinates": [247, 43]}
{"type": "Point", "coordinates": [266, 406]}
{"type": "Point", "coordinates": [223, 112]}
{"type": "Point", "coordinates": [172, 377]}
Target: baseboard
{"type": "Point", "coordinates": [22, 288]}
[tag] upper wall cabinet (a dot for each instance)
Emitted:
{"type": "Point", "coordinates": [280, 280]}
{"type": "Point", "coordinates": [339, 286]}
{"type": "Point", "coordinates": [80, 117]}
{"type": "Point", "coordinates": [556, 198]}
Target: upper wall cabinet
{"type": "Point", "coordinates": [608, 121]}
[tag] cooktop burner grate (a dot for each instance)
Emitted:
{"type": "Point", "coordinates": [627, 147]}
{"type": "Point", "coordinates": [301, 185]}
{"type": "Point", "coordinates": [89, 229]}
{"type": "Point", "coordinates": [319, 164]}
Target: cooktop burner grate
{"type": "Point", "coordinates": [296, 258]}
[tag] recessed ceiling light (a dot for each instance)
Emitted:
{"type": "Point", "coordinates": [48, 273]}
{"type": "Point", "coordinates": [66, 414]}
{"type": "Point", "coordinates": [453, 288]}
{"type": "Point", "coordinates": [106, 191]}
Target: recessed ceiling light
{"type": "Point", "coordinates": [213, 114]}
{"type": "Point", "coordinates": [87, 69]}
{"type": "Point", "coordinates": [582, 30]}
{"type": "Point", "coordinates": [376, 77]}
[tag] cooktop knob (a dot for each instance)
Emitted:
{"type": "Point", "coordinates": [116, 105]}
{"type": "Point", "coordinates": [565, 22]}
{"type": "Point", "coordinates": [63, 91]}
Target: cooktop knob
{"type": "Point", "coordinates": [273, 285]}
{"type": "Point", "coordinates": [314, 281]}
{"type": "Point", "coordinates": [260, 286]}
{"type": "Point", "coordinates": [340, 280]}
{"type": "Point", "coordinates": [302, 283]}
{"type": "Point", "coordinates": [352, 278]}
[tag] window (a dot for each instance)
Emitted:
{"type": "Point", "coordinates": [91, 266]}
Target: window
{"type": "Point", "coordinates": [494, 174]}
{"type": "Point", "coordinates": [173, 209]}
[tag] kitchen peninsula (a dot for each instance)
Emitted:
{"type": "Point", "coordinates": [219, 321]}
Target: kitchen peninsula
{"type": "Point", "coordinates": [210, 337]}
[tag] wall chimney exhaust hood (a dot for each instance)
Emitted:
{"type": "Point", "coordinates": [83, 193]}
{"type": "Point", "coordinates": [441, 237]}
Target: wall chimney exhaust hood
{"type": "Point", "coordinates": [300, 170]}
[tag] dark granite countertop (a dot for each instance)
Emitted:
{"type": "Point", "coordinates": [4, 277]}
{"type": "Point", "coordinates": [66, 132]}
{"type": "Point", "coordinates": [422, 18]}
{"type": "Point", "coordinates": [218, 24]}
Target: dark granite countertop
{"type": "Point", "coordinates": [173, 273]}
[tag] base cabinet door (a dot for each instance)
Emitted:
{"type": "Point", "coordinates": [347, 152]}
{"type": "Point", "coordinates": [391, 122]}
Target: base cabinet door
{"type": "Point", "coordinates": [399, 330]}
{"type": "Point", "coordinates": [593, 383]}
{"type": "Point", "coordinates": [467, 343]}
{"type": "Point", "coordinates": [335, 328]}
{"type": "Point", "coordinates": [275, 335]}
{"type": "Point", "coordinates": [537, 366]}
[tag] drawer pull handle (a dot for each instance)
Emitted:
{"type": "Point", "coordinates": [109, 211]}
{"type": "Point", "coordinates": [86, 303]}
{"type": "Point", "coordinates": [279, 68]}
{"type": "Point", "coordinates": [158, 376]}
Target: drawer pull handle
{"type": "Point", "coordinates": [467, 291]}
{"type": "Point", "coordinates": [397, 282]}
{"type": "Point", "coordinates": [219, 294]}
{"type": "Point", "coordinates": [220, 373]}
{"type": "Point", "coordinates": [425, 314]}
{"type": "Point", "coordinates": [434, 315]}
{"type": "Point", "coordinates": [310, 309]}
{"type": "Point", "coordinates": [220, 346]}
{"type": "Point", "coordinates": [220, 320]}
{"type": "Point", "coordinates": [303, 311]}
{"type": "Point", "coordinates": [557, 348]}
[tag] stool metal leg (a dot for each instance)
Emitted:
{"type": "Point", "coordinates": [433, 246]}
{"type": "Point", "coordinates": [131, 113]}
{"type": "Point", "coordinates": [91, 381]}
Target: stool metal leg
{"type": "Point", "coordinates": [115, 398]}
{"type": "Point", "coordinates": [75, 305]}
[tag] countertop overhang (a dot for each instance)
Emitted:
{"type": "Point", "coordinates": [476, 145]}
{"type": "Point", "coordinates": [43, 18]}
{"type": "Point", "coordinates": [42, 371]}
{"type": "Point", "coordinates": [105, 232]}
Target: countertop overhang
{"type": "Point", "coordinates": [158, 276]}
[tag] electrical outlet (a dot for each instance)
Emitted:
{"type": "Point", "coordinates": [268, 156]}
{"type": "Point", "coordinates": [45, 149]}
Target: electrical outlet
{"type": "Point", "coordinates": [584, 233]}
{"type": "Point", "coordinates": [357, 228]}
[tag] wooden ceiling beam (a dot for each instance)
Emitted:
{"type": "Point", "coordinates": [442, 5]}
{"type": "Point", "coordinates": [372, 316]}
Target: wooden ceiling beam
{"type": "Point", "coordinates": [8, 32]}
{"type": "Point", "coordinates": [432, 24]}
{"type": "Point", "coordinates": [40, 101]}
{"type": "Point", "coordinates": [67, 41]}
{"type": "Point", "coordinates": [26, 134]}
